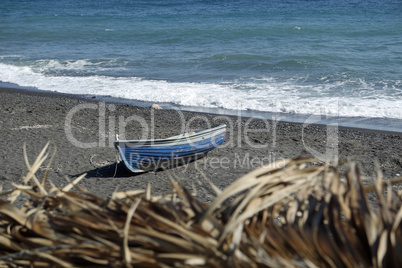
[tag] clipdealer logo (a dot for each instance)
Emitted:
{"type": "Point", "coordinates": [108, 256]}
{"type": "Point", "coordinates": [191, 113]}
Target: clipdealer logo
{"type": "Point", "coordinates": [240, 132]}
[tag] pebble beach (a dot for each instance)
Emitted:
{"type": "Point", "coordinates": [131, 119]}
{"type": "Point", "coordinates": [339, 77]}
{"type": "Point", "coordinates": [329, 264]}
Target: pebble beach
{"type": "Point", "coordinates": [82, 130]}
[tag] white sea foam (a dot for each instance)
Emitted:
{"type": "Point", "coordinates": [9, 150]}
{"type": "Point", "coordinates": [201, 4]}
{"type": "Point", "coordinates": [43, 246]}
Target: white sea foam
{"type": "Point", "coordinates": [78, 66]}
{"type": "Point", "coordinates": [268, 95]}
{"type": "Point", "coordinates": [45, 65]}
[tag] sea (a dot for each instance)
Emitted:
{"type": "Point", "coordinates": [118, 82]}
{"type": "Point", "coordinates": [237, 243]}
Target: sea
{"type": "Point", "coordinates": [339, 60]}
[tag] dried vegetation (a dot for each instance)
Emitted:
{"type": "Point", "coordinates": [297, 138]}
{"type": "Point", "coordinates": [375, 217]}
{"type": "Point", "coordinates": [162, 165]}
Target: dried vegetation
{"type": "Point", "coordinates": [302, 214]}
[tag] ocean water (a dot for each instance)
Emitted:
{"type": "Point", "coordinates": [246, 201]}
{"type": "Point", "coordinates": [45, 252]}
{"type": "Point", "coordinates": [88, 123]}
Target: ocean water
{"type": "Point", "coordinates": [291, 57]}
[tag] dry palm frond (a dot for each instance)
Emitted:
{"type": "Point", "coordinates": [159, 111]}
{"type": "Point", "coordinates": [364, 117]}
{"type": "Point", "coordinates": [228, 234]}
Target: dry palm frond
{"type": "Point", "coordinates": [301, 214]}
{"type": "Point", "coordinates": [327, 220]}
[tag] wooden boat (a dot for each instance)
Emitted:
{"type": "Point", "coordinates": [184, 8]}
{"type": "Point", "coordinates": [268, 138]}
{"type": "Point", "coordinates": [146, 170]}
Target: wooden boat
{"type": "Point", "coordinates": [152, 155]}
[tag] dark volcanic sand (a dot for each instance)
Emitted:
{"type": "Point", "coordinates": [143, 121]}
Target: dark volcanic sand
{"type": "Point", "coordinates": [36, 118]}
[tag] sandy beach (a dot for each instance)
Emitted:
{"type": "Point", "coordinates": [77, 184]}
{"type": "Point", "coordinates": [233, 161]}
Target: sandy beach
{"type": "Point", "coordinates": [83, 130]}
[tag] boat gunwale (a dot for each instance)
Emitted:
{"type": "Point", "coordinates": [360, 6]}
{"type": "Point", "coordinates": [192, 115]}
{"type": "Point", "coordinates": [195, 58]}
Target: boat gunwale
{"type": "Point", "coordinates": [172, 139]}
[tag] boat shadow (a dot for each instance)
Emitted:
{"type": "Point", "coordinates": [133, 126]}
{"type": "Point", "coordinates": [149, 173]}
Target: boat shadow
{"type": "Point", "coordinates": [119, 170]}
{"type": "Point", "coordinates": [115, 170]}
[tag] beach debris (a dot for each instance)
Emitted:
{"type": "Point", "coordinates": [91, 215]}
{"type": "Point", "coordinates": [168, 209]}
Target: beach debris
{"type": "Point", "coordinates": [37, 126]}
{"type": "Point", "coordinates": [100, 163]}
{"type": "Point", "coordinates": [301, 214]}
{"type": "Point", "coordinates": [156, 106]}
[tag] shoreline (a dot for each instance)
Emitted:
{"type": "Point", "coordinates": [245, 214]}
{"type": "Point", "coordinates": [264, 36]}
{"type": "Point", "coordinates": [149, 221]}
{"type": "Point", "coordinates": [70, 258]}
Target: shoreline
{"type": "Point", "coordinates": [387, 125]}
{"type": "Point", "coordinates": [36, 117]}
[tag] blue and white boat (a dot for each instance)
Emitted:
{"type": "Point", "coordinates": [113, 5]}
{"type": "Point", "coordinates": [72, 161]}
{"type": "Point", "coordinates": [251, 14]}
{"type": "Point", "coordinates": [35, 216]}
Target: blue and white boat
{"type": "Point", "coordinates": [152, 155]}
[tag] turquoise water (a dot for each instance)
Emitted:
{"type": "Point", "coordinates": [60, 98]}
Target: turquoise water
{"type": "Point", "coordinates": [334, 58]}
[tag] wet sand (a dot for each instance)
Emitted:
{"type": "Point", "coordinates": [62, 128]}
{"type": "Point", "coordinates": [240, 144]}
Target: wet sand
{"type": "Point", "coordinates": [71, 123]}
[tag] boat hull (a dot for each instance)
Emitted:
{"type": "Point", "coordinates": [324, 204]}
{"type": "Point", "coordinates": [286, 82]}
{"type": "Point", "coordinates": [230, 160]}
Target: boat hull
{"type": "Point", "coordinates": [152, 155]}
